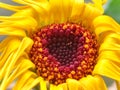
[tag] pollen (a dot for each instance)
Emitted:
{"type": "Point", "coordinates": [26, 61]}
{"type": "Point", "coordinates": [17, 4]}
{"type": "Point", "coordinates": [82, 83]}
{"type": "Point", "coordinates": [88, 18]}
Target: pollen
{"type": "Point", "coordinates": [62, 51]}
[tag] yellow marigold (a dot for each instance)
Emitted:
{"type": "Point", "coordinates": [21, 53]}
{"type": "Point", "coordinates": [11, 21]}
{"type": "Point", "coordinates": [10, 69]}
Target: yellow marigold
{"type": "Point", "coordinates": [58, 45]}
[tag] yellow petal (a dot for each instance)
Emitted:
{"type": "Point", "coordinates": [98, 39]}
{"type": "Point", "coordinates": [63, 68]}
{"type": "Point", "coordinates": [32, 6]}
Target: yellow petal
{"type": "Point", "coordinates": [74, 84]}
{"type": "Point", "coordinates": [4, 42]}
{"type": "Point", "coordinates": [20, 1]}
{"type": "Point", "coordinates": [87, 83]}
{"type": "Point", "coordinates": [43, 9]}
{"type": "Point", "coordinates": [108, 65]}
{"type": "Point", "coordinates": [4, 74]}
{"type": "Point", "coordinates": [56, 6]}
{"type": "Point", "coordinates": [11, 7]}
{"type": "Point", "coordinates": [18, 22]}
{"type": "Point", "coordinates": [62, 86]}
{"type": "Point", "coordinates": [86, 15]}
{"type": "Point", "coordinates": [105, 24]}
{"type": "Point", "coordinates": [108, 60]}
{"type": "Point", "coordinates": [67, 8]}
{"type": "Point", "coordinates": [43, 84]}
{"type": "Point", "coordinates": [37, 9]}
{"type": "Point", "coordinates": [12, 59]}
{"type": "Point", "coordinates": [92, 83]}
{"type": "Point", "coordinates": [64, 8]}
{"type": "Point", "coordinates": [8, 48]}
{"type": "Point", "coordinates": [20, 68]}
{"type": "Point", "coordinates": [53, 87]}
{"type": "Point", "coordinates": [98, 4]}
{"type": "Point", "coordinates": [110, 42]}
{"type": "Point", "coordinates": [12, 31]}
{"type": "Point", "coordinates": [13, 18]}
{"type": "Point", "coordinates": [31, 83]}
{"type": "Point", "coordinates": [75, 15]}
{"type": "Point", "coordinates": [23, 79]}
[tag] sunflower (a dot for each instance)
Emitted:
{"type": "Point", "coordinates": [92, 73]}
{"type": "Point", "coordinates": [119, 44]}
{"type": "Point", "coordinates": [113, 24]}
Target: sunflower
{"type": "Point", "coordinates": [58, 45]}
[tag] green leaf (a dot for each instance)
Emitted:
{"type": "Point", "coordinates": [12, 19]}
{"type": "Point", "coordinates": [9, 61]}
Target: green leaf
{"type": "Point", "coordinates": [113, 9]}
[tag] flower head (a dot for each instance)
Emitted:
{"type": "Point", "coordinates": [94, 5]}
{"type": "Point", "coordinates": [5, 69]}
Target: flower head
{"type": "Point", "coordinates": [58, 45]}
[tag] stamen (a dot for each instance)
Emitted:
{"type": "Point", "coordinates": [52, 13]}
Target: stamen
{"type": "Point", "coordinates": [62, 51]}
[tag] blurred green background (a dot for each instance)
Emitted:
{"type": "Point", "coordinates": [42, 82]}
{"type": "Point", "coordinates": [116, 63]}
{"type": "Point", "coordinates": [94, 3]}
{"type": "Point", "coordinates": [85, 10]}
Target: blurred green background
{"type": "Point", "coordinates": [112, 8]}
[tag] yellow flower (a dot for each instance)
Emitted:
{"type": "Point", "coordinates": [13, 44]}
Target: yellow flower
{"type": "Point", "coordinates": [58, 45]}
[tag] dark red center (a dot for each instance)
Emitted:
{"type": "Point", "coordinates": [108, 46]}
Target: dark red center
{"type": "Point", "coordinates": [62, 51]}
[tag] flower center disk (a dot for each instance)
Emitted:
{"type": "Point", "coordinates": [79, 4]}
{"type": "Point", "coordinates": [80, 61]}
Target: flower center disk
{"type": "Point", "coordinates": [62, 51]}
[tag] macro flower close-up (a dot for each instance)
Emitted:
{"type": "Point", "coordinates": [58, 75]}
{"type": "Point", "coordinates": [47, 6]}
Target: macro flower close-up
{"type": "Point", "coordinates": [58, 45]}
